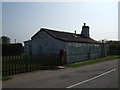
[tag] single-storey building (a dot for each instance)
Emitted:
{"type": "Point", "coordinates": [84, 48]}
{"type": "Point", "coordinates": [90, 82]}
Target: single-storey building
{"type": "Point", "coordinates": [77, 47]}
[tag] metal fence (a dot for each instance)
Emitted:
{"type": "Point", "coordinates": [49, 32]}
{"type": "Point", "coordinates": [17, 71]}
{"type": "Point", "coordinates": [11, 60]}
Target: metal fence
{"type": "Point", "coordinates": [20, 64]}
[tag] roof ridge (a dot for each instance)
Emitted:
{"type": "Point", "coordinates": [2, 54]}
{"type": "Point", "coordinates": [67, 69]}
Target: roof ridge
{"type": "Point", "coordinates": [57, 31]}
{"type": "Point", "coordinates": [66, 36]}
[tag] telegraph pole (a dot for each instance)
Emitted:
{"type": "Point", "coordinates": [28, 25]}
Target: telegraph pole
{"type": "Point", "coordinates": [15, 40]}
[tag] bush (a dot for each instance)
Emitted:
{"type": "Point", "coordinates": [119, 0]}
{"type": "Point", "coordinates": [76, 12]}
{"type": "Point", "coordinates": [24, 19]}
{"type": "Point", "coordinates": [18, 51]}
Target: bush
{"type": "Point", "coordinates": [114, 47]}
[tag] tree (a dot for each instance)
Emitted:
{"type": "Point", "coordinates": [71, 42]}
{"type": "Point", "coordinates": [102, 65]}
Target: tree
{"type": "Point", "coordinates": [5, 40]}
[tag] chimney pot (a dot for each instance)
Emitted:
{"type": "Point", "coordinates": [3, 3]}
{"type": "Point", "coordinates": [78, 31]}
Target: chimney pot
{"type": "Point", "coordinates": [84, 24]}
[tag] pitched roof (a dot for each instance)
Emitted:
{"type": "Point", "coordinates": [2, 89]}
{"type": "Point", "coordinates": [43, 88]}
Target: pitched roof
{"type": "Point", "coordinates": [66, 36]}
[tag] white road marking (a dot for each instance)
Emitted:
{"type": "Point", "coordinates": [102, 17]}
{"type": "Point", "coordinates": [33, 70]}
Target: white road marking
{"type": "Point", "coordinates": [91, 78]}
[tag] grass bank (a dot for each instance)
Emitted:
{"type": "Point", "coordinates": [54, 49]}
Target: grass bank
{"type": "Point", "coordinates": [92, 61]}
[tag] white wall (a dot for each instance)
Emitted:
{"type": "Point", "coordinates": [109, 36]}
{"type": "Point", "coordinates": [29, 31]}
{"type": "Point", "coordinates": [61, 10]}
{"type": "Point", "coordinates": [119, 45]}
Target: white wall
{"type": "Point", "coordinates": [79, 51]}
{"type": "Point", "coordinates": [43, 43]}
{"type": "Point", "coordinates": [46, 44]}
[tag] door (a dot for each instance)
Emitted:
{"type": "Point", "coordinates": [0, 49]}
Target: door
{"type": "Point", "coordinates": [89, 50]}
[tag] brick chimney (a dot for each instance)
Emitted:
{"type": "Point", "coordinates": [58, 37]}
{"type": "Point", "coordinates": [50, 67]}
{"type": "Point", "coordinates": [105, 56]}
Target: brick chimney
{"type": "Point", "coordinates": [85, 31]}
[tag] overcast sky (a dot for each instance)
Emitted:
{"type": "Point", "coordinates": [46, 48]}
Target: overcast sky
{"type": "Point", "coordinates": [21, 20]}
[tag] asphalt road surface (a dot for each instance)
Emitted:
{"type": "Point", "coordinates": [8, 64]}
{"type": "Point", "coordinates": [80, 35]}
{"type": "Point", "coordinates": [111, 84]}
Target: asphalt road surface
{"type": "Point", "coordinates": [99, 75]}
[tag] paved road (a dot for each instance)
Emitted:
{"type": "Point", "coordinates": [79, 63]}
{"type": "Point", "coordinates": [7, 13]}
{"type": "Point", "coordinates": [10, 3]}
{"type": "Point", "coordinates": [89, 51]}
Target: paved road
{"type": "Point", "coordinates": [100, 75]}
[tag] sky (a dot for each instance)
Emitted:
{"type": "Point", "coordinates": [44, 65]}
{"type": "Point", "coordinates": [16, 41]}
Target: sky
{"type": "Point", "coordinates": [21, 20]}
{"type": "Point", "coordinates": [119, 21]}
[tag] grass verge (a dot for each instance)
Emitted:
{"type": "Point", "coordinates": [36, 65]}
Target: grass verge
{"type": "Point", "coordinates": [4, 78]}
{"type": "Point", "coordinates": [92, 61]}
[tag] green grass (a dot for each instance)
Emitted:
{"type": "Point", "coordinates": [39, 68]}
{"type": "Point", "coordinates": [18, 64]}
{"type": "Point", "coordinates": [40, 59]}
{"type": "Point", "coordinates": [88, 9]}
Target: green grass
{"type": "Point", "coordinates": [92, 61]}
{"type": "Point", "coordinates": [4, 78]}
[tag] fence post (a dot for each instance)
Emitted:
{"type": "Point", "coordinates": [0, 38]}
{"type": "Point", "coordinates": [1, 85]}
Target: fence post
{"type": "Point", "coordinates": [3, 66]}
{"type": "Point", "coordinates": [15, 62]}
{"type": "Point", "coordinates": [8, 64]}
{"type": "Point", "coordinates": [26, 63]}
{"type": "Point", "coordinates": [12, 71]}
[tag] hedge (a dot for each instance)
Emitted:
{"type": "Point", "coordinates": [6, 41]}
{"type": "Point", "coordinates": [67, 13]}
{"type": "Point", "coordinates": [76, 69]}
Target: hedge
{"type": "Point", "coordinates": [12, 49]}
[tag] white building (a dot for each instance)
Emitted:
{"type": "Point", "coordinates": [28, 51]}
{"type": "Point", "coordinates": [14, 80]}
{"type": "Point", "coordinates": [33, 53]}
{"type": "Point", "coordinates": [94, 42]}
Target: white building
{"type": "Point", "coordinates": [78, 47]}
